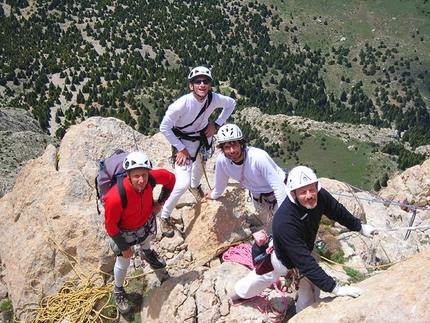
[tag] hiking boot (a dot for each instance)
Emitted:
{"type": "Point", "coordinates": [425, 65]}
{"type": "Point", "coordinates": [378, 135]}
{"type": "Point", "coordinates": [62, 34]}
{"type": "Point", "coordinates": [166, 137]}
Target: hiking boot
{"type": "Point", "coordinates": [151, 257]}
{"type": "Point", "coordinates": [167, 227]}
{"type": "Point", "coordinates": [121, 301]}
{"type": "Point", "coordinates": [197, 192]}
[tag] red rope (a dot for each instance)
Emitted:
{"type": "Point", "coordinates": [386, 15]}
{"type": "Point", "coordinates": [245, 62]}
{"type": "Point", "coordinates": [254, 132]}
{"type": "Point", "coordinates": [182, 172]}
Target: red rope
{"type": "Point", "coordinates": [242, 254]}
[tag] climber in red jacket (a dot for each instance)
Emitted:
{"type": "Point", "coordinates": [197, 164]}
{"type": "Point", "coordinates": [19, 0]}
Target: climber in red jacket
{"type": "Point", "coordinates": [136, 223]}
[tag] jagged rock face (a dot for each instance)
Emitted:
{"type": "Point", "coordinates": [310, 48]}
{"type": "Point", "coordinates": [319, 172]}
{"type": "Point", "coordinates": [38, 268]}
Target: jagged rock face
{"type": "Point", "coordinates": [17, 120]}
{"type": "Point", "coordinates": [53, 201]}
{"type": "Point", "coordinates": [51, 213]}
{"type": "Point", "coordinates": [412, 187]}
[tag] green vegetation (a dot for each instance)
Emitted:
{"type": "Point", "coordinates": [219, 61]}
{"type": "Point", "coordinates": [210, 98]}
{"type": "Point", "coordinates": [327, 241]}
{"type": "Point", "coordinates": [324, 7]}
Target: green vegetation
{"type": "Point", "coordinates": [109, 311]}
{"type": "Point", "coordinates": [405, 157]}
{"type": "Point", "coordinates": [358, 163]}
{"type": "Point", "coordinates": [6, 309]}
{"type": "Point", "coordinates": [357, 63]}
{"type": "Point", "coordinates": [354, 275]}
{"type": "Point", "coordinates": [335, 254]}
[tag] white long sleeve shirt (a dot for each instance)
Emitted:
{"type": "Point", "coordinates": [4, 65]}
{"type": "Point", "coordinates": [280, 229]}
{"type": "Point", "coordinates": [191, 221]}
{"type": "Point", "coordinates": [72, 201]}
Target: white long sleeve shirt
{"type": "Point", "coordinates": [185, 109]}
{"type": "Point", "coordinates": [258, 173]}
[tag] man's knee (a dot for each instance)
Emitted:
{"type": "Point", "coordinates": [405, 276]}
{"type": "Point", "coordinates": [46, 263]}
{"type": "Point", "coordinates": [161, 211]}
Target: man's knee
{"type": "Point", "coordinates": [253, 284]}
{"type": "Point", "coordinates": [181, 185]}
{"type": "Point", "coordinates": [122, 263]}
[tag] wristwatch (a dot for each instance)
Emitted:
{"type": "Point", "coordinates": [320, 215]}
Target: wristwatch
{"type": "Point", "coordinates": [217, 126]}
{"type": "Point", "coordinates": [161, 202]}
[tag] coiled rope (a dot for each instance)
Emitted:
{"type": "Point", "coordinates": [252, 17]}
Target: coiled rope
{"type": "Point", "coordinates": [241, 254]}
{"type": "Point", "coordinates": [83, 299]}
{"type": "Point", "coordinates": [86, 297]}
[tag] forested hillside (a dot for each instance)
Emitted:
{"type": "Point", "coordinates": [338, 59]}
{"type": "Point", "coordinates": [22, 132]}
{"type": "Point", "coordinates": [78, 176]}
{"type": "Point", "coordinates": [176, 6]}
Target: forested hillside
{"type": "Point", "coordinates": [361, 63]}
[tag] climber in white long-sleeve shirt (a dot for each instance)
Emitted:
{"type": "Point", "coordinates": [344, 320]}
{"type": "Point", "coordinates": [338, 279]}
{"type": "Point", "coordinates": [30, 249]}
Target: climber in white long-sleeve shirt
{"type": "Point", "coordinates": [253, 168]}
{"type": "Point", "coordinates": [187, 128]}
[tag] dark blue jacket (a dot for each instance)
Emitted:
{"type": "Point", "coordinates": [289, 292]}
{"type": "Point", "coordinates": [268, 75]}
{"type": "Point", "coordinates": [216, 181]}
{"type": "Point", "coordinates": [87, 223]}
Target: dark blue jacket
{"type": "Point", "coordinates": [294, 232]}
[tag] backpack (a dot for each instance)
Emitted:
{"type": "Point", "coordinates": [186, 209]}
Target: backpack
{"type": "Point", "coordinates": [110, 173]}
{"type": "Point", "coordinates": [261, 252]}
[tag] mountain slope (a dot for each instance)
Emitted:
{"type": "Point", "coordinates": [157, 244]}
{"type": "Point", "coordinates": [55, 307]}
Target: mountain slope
{"type": "Point", "coordinates": [331, 61]}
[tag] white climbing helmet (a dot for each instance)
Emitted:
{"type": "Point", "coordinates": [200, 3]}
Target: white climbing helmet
{"type": "Point", "coordinates": [136, 159]}
{"type": "Point", "coordinates": [200, 71]}
{"type": "Point", "coordinates": [229, 132]}
{"type": "Point", "coordinates": [300, 176]}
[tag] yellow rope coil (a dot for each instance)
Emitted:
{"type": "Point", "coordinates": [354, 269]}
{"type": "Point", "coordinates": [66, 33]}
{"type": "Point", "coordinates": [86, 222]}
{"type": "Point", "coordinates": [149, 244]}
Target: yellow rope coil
{"type": "Point", "coordinates": [84, 298]}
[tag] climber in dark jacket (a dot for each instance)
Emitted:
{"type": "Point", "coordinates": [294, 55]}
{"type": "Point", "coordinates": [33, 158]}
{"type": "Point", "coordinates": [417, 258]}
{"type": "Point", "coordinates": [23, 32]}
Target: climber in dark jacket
{"type": "Point", "coordinates": [296, 230]}
{"type": "Point", "coordinates": [295, 227]}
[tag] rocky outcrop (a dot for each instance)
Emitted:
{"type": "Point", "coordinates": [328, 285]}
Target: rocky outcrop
{"type": "Point", "coordinates": [412, 187]}
{"type": "Point", "coordinates": [51, 213]}
{"type": "Point", "coordinates": [345, 132]}
{"type": "Point", "coordinates": [21, 140]}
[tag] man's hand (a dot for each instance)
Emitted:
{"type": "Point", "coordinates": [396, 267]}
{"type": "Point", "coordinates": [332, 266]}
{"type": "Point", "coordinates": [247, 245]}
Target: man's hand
{"type": "Point", "coordinates": [156, 208]}
{"type": "Point", "coordinates": [128, 253]}
{"type": "Point", "coordinates": [367, 230]}
{"type": "Point", "coordinates": [208, 195]}
{"type": "Point", "coordinates": [183, 158]}
{"type": "Point", "coordinates": [347, 291]}
{"type": "Point", "coordinates": [210, 130]}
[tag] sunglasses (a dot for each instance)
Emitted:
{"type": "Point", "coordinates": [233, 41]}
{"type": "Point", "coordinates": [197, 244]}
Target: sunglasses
{"type": "Point", "coordinates": [205, 81]}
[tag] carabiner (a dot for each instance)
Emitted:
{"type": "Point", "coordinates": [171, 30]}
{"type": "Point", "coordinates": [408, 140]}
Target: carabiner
{"type": "Point", "coordinates": [320, 244]}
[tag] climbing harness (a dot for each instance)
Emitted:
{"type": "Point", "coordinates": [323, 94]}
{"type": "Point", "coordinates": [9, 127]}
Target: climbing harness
{"type": "Point", "coordinates": [206, 151]}
{"type": "Point", "coordinates": [140, 234]}
{"type": "Point", "coordinates": [269, 198]}
{"type": "Point", "coordinates": [292, 280]}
